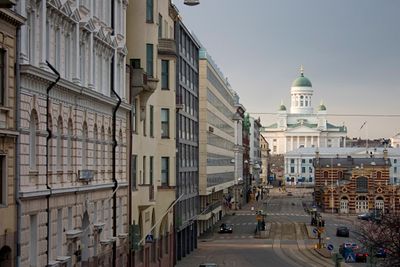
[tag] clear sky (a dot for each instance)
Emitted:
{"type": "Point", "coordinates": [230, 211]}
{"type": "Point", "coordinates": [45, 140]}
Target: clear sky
{"type": "Point", "coordinates": [350, 50]}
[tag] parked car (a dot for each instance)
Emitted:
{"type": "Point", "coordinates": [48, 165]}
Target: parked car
{"type": "Point", "coordinates": [381, 253]}
{"type": "Point", "coordinates": [364, 216]}
{"type": "Point", "coordinates": [208, 265]}
{"type": "Point", "coordinates": [289, 194]}
{"type": "Point", "coordinates": [361, 255]}
{"type": "Point", "coordinates": [225, 228]}
{"type": "Point", "coordinates": [342, 231]}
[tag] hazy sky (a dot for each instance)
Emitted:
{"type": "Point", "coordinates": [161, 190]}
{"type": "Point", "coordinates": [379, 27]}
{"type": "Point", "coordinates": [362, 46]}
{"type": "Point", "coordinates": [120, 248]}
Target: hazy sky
{"type": "Point", "coordinates": [350, 50]}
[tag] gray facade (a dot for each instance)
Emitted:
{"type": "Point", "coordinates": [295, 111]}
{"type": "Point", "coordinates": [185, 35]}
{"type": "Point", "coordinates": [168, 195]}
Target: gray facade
{"type": "Point", "coordinates": [187, 141]}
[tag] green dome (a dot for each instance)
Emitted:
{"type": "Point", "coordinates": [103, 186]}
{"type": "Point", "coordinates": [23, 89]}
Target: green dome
{"type": "Point", "coordinates": [322, 107]}
{"type": "Point", "coordinates": [301, 82]}
{"type": "Point", "coordinates": [282, 108]}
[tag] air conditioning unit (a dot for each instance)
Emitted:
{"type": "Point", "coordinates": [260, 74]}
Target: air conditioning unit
{"type": "Point", "coordinates": [86, 175]}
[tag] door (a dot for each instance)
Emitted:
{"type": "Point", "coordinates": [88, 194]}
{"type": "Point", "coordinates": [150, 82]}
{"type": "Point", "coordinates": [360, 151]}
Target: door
{"type": "Point", "coordinates": [344, 205]}
{"type": "Point", "coordinates": [361, 204]}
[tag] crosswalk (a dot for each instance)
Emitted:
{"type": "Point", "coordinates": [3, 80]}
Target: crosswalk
{"type": "Point", "coordinates": [236, 237]}
{"type": "Point", "coordinates": [276, 214]}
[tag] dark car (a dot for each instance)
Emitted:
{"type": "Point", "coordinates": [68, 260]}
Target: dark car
{"type": "Point", "coordinates": [361, 255]}
{"type": "Point", "coordinates": [225, 228]}
{"type": "Point", "coordinates": [208, 265]}
{"type": "Point", "coordinates": [365, 216]}
{"type": "Point", "coordinates": [289, 194]}
{"type": "Point", "coordinates": [381, 253]}
{"type": "Point", "coordinates": [342, 231]}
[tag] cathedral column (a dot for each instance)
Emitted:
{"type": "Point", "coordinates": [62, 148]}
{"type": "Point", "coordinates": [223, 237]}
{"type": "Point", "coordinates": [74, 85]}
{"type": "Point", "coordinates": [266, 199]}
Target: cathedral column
{"type": "Point", "coordinates": [298, 142]}
{"type": "Point", "coordinates": [312, 141]}
{"type": "Point", "coordinates": [318, 141]}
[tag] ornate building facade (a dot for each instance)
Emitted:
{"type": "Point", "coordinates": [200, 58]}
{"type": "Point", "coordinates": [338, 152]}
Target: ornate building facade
{"type": "Point", "coordinates": [10, 23]}
{"type": "Point", "coordinates": [355, 185]}
{"type": "Point", "coordinates": [73, 132]}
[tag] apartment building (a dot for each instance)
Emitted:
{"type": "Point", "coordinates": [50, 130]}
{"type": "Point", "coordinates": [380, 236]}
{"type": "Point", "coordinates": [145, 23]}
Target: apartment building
{"type": "Point", "coordinates": [152, 58]}
{"type": "Point", "coordinates": [73, 186]}
{"type": "Point", "coordinates": [216, 143]}
{"type": "Point", "coordinates": [9, 23]}
{"type": "Point", "coordinates": [255, 150]}
{"type": "Point", "coordinates": [265, 161]}
{"type": "Point", "coordinates": [187, 125]}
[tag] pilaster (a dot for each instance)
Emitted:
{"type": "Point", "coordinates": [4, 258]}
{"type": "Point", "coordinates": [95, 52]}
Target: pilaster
{"type": "Point", "coordinates": [43, 44]}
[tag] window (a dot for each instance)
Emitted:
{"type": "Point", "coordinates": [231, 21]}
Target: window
{"type": "Point", "coordinates": [394, 169]}
{"type": "Point", "coordinates": [32, 140]}
{"type": "Point", "coordinates": [292, 169]}
{"type": "Point", "coordinates": [164, 74]}
{"type": "Point", "coordinates": [164, 123]}
{"type": "Point", "coordinates": [164, 171]}
{"type": "Point", "coordinates": [149, 59]}
{"type": "Point", "coordinates": [144, 170]}
{"type": "Point", "coordinates": [95, 149]}
{"type": "Point", "coordinates": [69, 144]}
{"type": "Point", "coordinates": [134, 116]}
{"type": "Point", "coordinates": [3, 180]}
{"type": "Point", "coordinates": [362, 185]}
{"type": "Point", "coordinates": [303, 161]}
{"type": "Point", "coordinates": [151, 169]}
{"type": "Point", "coordinates": [292, 161]}
{"type": "Point", "coordinates": [59, 144]}
{"type": "Point", "coordinates": [149, 10]}
{"type": "Point", "coordinates": [394, 160]}
{"type": "Point", "coordinates": [3, 76]}
{"type": "Point", "coordinates": [84, 146]}
{"type": "Point", "coordinates": [133, 172]}
{"type": "Point", "coordinates": [303, 169]}
{"type": "Point", "coordinates": [151, 121]}
{"type": "Point", "coordinates": [160, 28]}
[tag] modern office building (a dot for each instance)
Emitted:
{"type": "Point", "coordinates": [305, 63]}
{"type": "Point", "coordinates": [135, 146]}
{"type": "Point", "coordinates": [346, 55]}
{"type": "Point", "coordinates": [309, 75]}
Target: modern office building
{"type": "Point", "coordinates": [187, 141]}
{"type": "Point", "coordinates": [216, 143]}
{"type": "Point", "coordinates": [73, 110]}
{"type": "Point", "coordinates": [10, 22]}
{"type": "Point", "coordinates": [301, 126]}
{"type": "Point", "coordinates": [152, 57]}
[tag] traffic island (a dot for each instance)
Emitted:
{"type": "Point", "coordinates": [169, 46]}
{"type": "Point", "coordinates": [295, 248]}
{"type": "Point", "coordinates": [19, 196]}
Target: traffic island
{"type": "Point", "coordinates": [264, 234]}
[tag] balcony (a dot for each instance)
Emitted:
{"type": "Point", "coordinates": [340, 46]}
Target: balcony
{"type": "Point", "coordinates": [166, 47]}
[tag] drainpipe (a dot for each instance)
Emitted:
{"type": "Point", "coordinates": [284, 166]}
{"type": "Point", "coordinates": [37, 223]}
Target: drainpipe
{"type": "Point", "coordinates": [49, 136]}
{"type": "Point", "coordinates": [18, 141]}
{"type": "Point", "coordinates": [114, 129]}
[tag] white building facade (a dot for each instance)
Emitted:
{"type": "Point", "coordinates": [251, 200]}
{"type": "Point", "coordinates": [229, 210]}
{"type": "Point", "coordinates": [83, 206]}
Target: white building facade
{"type": "Point", "coordinates": [301, 126]}
{"type": "Point", "coordinates": [299, 167]}
{"type": "Point", "coordinates": [73, 170]}
{"type": "Point", "coordinates": [255, 150]}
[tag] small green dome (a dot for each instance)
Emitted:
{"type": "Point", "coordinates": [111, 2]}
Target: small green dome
{"type": "Point", "coordinates": [301, 82]}
{"type": "Point", "coordinates": [322, 107]}
{"type": "Point", "coordinates": [282, 108]}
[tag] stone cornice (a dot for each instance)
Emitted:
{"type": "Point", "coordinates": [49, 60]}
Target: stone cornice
{"type": "Point", "coordinates": [64, 85]}
{"type": "Point", "coordinates": [12, 17]}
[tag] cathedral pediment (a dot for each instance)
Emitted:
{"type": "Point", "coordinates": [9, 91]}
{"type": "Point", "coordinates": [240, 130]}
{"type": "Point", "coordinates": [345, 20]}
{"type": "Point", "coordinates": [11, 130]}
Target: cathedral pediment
{"type": "Point", "coordinates": [302, 129]}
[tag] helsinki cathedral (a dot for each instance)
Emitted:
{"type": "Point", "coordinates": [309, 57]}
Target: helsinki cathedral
{"type": "Point", "coordinates": [301, 126]}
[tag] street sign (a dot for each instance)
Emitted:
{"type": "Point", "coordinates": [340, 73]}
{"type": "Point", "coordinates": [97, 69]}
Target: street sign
{"type": "Point", "coordinates": [315, 231]}
{"type": "Point", "coordinates": [330, 247]}
{"type": "Point", "coordinates": [350, 258]}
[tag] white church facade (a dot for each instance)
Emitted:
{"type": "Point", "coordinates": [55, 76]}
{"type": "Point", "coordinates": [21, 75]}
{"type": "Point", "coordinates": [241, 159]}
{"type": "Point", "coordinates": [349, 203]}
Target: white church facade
{"type": "Point", "coordinates": [301, 126]}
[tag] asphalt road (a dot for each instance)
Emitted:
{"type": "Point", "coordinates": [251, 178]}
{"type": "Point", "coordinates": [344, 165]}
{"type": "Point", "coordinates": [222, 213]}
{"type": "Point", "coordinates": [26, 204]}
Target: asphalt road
{"type": "Point", "coordinates": [286, 245]}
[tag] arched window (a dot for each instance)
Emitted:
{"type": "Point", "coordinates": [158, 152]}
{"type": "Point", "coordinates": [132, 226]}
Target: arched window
{"type": "Point", "coordinates": [120, 150]}
{"type": "Point", "coordinates": [59, 143]}
{"type": "Point", "coordinates": [362, 185]}
{"type": "Point", "coordinates": [33, 127]}
{"type": "Point", "coordinates": [109, 147]}
{"type": "Point", "coordinates": [103, 148]}
{"type": "Point", "coordinates": [50, 150]}
{"type": "Point", "coordinates": [95, 150]}
{"type": "Point", "coordinates": [326, 174]}
{"type": "Point", "coordinates": [84, 146]}
{"type": "Point", "coordinates": [301, 101]}
{"type": "Point", "coordinates": [69, 144]}
{"type": "Point", "coordinates": [340, 175]}
{"type": "Point", "coordinates": [378, 175]}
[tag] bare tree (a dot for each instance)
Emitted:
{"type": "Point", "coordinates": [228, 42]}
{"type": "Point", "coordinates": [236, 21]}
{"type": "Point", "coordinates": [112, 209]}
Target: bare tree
{"type": "Point", "coordinates": [383, 234]}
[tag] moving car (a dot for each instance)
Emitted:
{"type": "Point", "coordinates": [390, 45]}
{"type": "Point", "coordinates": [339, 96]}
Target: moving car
{"type": "Point", "coordinates": [225, 228]}
{"type": "Point", "coordinates": [342, 231]}
{"type": "Point", "coordinates": [364, 216]}
{"type": "Point", "coordinates": [361, 255]}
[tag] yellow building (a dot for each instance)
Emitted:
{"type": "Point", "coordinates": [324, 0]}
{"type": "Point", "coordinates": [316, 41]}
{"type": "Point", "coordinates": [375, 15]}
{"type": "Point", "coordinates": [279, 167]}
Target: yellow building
{"type": "Point", "coordinates": [152, 57]}
{"type": "Point", "coordinates": [9, 22]}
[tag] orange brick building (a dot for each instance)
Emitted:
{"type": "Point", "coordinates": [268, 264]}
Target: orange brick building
{"type": "Point", "coordinates": [355, 185]}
